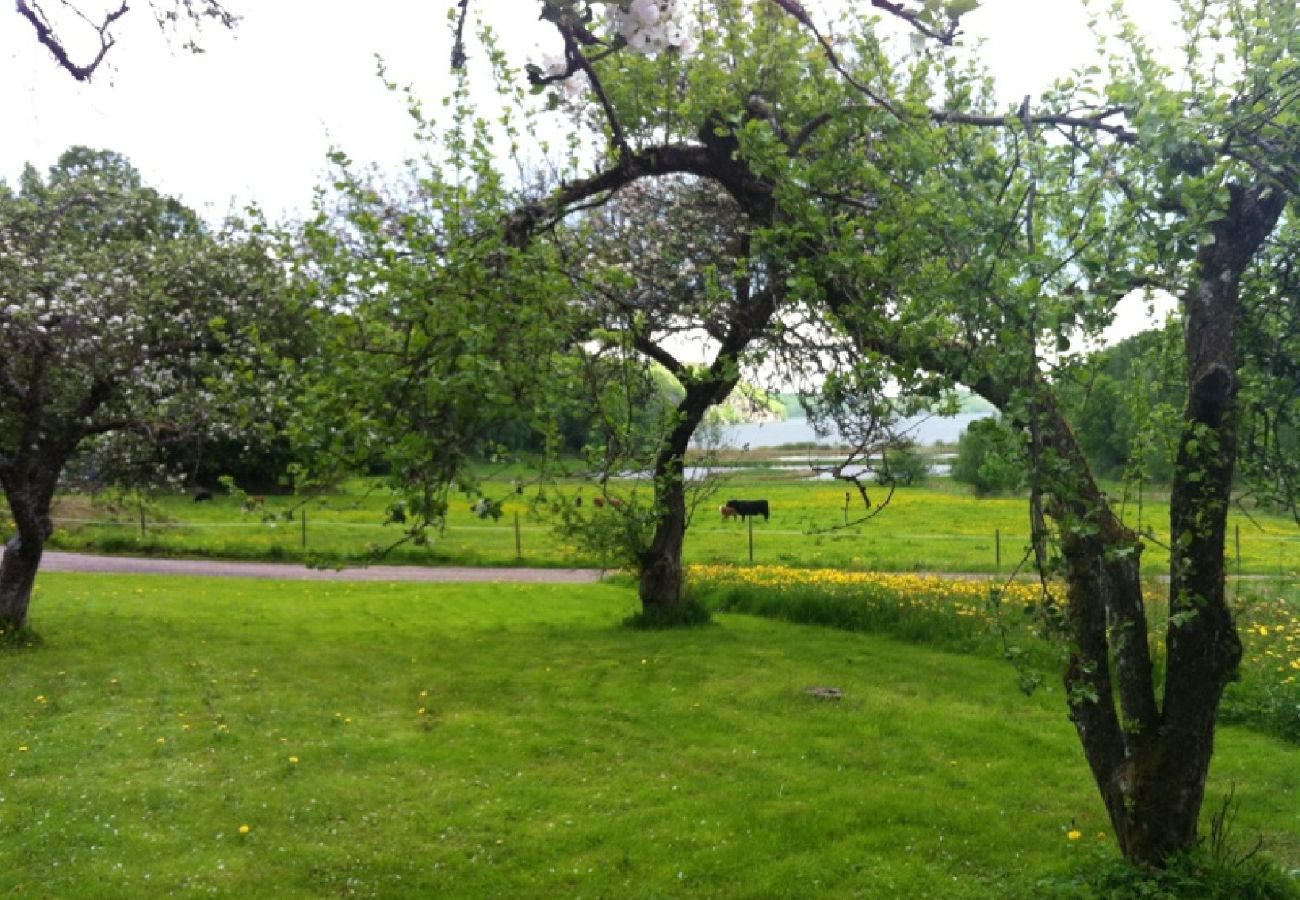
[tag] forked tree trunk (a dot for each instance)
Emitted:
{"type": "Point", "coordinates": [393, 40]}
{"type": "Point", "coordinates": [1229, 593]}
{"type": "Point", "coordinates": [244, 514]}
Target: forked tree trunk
{"type": "Point", "coordinates": [1151, 763]}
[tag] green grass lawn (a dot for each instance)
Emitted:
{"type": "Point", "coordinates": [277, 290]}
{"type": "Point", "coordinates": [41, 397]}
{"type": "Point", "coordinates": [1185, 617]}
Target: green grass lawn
{"type": "Point", "coordinates": [513, 741]}
{"type": "Point", "coordinates": [931, 528]}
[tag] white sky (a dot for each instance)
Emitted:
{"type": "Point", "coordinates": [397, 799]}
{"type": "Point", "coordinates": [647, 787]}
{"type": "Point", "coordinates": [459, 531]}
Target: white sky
{"type": "Point", "coordinates": [254, 116]}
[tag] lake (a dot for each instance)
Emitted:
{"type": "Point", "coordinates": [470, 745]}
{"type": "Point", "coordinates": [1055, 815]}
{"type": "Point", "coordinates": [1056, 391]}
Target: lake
{"type": "Point", "coordinates": [925, 430]}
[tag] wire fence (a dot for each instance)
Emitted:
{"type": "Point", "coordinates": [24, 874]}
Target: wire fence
{"type": "Point", "coordinates": [518, 540]}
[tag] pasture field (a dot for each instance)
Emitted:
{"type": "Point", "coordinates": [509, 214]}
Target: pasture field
{"type": "Point", "coordinates": [271, 739]}
{"type": "Point", "coordinates": [935, 528]}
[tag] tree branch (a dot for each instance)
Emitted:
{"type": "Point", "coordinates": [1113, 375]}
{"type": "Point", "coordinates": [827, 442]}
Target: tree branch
{"type": "Point", "coordinates": [579, 59]}
{"type": "Point", "coordinates": [458, 57]}
{"type": "Point", "coordinates": [912, 18]}
{"type": "Point", "coordinates": [643, 344]}
{"type": "Point", "coordinates": [1092, 123]}
{"type": "Point", "coordinates": [45, 34]}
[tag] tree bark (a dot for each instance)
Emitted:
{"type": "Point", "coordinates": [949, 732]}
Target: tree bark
{"type": "Point", "coordinates": [17, 577]}
{"type": "Point", "coordinates": [662, 577]}
{"type": "Point", "coordinates": [1150, 763]}
{"type": "Point", "coordinates": [30, 506]}
{"type": "Point", "coordinates": [29, 483]}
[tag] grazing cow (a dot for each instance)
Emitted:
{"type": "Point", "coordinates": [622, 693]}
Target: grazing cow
{"type": "Point", "coordinates": [747, 508]}
{"type": "Point", "coordinates": [202, 495]}
{"type": "Point", "coordinates": [598, 502]}
{"type": "Point", "coordinates": [728, 512]}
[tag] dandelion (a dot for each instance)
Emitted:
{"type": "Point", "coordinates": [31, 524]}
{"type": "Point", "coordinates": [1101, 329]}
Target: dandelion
{"type": "Point", "coordinates": [22, 749]}
{"type": "Point", "coordinates": [244, 829]}
{"type": "Point", "coordinates": [161, 740]}
{"type": "Point", "coordinates": [1074, 834]}
{"type": "Point", "coordinates": [293, 760]}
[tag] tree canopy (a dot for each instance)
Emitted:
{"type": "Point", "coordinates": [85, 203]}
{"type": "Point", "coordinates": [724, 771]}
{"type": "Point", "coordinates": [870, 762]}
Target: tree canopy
{"type": "Point", "coordinates": [117, 303]}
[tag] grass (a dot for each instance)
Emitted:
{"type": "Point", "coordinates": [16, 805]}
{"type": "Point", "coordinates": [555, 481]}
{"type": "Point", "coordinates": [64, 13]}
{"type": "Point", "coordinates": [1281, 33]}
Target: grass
{"type": "Point", "coordinates": [994, 619]}
{"type": "Point", "coordinates": [937, 528]}
{"type": "Point", "coordinates": [473, 741]}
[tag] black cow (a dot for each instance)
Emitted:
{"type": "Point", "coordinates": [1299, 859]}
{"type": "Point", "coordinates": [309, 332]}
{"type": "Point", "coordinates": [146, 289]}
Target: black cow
{"type": "Point", "coordinates": [746, 508]}
{"type": "Point", "coordinates": [202, 495]}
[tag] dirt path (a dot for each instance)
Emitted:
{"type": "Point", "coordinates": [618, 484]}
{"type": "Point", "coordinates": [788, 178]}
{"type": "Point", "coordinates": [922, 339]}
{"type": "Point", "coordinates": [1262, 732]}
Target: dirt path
{"type": "Point", "coordinates": [54, 561]}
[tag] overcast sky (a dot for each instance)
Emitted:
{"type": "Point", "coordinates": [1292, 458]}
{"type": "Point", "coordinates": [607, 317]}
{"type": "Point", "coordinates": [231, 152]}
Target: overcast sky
{"type": "Point", "coordinates": [253, 117]}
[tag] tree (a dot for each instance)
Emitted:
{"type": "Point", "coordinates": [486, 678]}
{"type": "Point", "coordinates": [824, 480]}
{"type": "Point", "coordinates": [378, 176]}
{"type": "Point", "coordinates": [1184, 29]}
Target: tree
{"type": "Point", "coordinates": [438, 338]}
{"type": "Point", "coordinates": [948, 237]}
{"type": "Point", "coordinates": [73, 22]}
{"type": "Point", "coordinates": [665, 260]}
{"type": "Point", "coordinates": [116, 303]}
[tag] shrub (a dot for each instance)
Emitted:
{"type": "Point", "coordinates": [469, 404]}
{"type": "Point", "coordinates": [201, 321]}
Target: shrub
{"type": "Point", "coordinates": [990, 457]}
{"type": "Point", "coordinates": [904, 465]}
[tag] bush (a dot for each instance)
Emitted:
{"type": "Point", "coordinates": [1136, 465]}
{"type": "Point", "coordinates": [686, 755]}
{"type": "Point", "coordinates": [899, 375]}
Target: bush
{"type": "Point", "coordinates": [990, 457]}
{"type": "Point", "coordinates": [904, 465]}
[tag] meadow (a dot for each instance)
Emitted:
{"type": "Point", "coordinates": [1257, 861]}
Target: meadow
{"type": "Point", "coordinates": [939, 527]}
{"type": "Point", "coordinates": [269, 739]}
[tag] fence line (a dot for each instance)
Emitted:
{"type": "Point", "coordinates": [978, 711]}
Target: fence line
{"type": "Point", "coordinates": [783, 532]}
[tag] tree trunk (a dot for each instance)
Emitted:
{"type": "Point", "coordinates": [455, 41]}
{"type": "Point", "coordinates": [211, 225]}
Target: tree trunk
{"type": "Point", "coordinates": [1152, 764]}
{"type": "Point", "coordinates": [663, 581]}
{"type": "Point", "coordinates": [17, 577]}
{"type": "Point", "coordinates": [29, 489]}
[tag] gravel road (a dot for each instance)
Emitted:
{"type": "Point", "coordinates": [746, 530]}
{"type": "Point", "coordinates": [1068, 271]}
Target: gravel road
{"type": "Point", "coordinates": [53, 561]}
